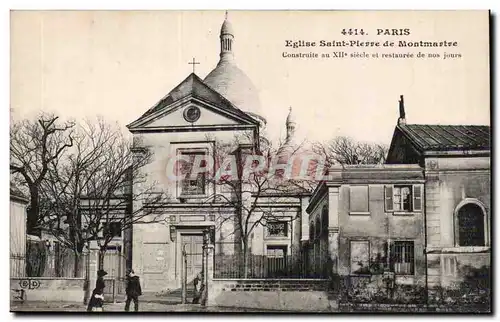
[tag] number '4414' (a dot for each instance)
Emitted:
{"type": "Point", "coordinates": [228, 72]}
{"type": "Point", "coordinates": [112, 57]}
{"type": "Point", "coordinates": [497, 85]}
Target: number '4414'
{"type": "Point", "coordinates": [353, 32]}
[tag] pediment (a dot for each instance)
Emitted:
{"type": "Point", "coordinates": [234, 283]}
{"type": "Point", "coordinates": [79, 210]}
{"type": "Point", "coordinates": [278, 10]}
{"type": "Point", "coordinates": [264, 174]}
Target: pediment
{"type": "Point", "coordinates": [180, 117]}
{"type": "Point", "coordinates": [192, 94]}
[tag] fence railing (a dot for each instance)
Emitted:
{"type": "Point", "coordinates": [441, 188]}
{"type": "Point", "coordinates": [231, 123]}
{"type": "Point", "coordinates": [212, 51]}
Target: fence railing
{"type": "Point", "coordinates": [41, 261]}
{"type": "Point", "coordinates": [114, 288]}
{"type": "Point", "coordinates": [234, 265]}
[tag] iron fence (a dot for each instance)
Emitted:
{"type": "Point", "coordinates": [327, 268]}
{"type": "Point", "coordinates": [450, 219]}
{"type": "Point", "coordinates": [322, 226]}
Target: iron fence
{"type": "Point", "coordinates": [230, 262]}
{"type": "Point", "coordinates": [47, 263]}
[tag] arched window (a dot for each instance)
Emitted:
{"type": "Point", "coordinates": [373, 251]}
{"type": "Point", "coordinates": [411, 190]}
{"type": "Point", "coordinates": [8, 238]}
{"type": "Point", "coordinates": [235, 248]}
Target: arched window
{"type": "Point", "coordinates": [317, 233]}
{"type": "Point", "coordinates": [470, 225]}
{"type": "Point", "coordinates": [324, 220]}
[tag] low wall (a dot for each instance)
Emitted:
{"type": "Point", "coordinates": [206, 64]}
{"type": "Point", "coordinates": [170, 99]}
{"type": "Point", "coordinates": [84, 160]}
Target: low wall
{"type": "Point", "coordinates": [275, 294]}
{"type": "Point", "coordinates": [48, 289]}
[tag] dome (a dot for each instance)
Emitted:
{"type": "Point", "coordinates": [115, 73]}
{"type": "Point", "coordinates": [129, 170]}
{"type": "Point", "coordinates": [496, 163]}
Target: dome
{"type": "Point", "coordinates": [230, 81]}
{"type": "Point", "coordinates": [227, 28]}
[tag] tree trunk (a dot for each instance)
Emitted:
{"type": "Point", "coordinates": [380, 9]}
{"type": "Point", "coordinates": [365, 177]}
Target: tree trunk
{"type": "Point", "coordinates": [76, 264]}
{"type": "Point", "coordinates": [32, 220]}
{"type": "Point", "coordinates": [245, 259]}
{"type": "Point", "coordinates": [102, 253]}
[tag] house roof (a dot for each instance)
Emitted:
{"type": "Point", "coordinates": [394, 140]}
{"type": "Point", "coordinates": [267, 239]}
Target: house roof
{"type": "Point", "coordinates": [195, 87]}
{"type": "Point", "coordinates": [447, 137]}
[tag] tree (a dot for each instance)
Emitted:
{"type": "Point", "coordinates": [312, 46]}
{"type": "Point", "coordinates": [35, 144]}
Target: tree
{"type": "Point", "coordinates": [90, 193]}
{"type": "Point", "coordinates": [34, 145]}
{"type": "Point", "coordinates": [344, 150]}
{"type": "Point", "coordinates": [249, 190]}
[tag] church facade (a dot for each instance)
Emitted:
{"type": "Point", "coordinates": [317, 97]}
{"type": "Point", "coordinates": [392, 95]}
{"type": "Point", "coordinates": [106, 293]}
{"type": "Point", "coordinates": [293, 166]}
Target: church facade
{"type": "Point", "coordinates": [199, 119]}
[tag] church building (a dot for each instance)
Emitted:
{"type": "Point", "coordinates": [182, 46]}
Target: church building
{"type": "Point", "coordinates": [202, 117]}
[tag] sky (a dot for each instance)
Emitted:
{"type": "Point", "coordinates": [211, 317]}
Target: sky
{"type": "Point", "coordinates": [118, 64]}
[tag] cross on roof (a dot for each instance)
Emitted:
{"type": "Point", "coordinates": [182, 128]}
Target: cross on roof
{"type": "Point", "coordinates": [194, 63]}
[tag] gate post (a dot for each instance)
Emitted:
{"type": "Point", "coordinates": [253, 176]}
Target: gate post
{"type": "Point", "coordinates": [92, 265]}
{"type": "Point", "coordinates": [184, 276]}
{"type": "Point", "coordinates": [208, 298]}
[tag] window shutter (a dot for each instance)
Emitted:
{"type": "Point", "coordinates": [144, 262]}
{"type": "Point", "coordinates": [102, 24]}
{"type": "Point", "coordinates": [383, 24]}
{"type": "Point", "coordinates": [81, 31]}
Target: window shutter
{"type": "Point", "coordinates": [388, 199]}
{"type": "Point", "coordinates": [417, 197]}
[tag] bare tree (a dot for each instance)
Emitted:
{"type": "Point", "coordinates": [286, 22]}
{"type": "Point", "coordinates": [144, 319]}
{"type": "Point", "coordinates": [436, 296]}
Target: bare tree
{"type": "Point", "coordinates": [249, 196]}
{"type": "Point", "coordinates": [90, 193]}
{"type": "Point", "coordinates": [34, 145]}
{"type": "Point", "coordinates": [345, 150]}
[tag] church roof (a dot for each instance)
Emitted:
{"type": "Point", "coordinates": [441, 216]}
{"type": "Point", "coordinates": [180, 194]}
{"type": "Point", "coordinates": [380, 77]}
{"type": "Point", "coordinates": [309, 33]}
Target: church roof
{"type": "Point", "coordinates": [232, 83]}
{"type": "Point", "coordinates": [447, 137]}
{"type": "Point", "coordinates": [195, 87]}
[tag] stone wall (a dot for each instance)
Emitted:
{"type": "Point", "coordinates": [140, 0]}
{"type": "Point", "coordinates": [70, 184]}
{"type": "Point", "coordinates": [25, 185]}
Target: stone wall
{"type": "Point", "coordinates": [48, 289]}
{"type": "Point", "coordinates": [268, 294]}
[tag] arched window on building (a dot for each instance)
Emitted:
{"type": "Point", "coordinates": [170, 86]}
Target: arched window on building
{"type": "Point", "coordinates": [324, 220]}
{"type": "Point", "coordinates": [317, 233]}
{"type": "Point", "coordinates": [470, 225]}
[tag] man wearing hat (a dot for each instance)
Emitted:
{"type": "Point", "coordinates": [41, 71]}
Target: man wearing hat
{"type": "Point", "coordinates": [133, 290]}
{"type": "Point", "coordinates": [97, 299]}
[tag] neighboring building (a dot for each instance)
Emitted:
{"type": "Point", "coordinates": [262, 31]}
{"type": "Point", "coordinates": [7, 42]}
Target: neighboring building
{"type": "Point", "coordinates": [367, 220]}
{"type": "Point", "coordinates": [18, 216]}
{"type": "Point", "coordinates": [456, 164]}
{"type": "Point", "coordinates": [426, 213]}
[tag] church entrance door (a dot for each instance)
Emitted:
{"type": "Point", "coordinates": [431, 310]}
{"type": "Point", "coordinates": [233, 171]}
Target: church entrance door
{"type": "Point", "coordinates": [193, 245]}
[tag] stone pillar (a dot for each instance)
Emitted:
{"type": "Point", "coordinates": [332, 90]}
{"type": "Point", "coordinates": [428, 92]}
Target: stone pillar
{"type": "Point", "coordinates": [333, 243]}
{"type": "Point", "coordinates": [209, 295]}
{"type": "Point", "coordinates": [333, 227]}
{"type": "Point", "coordinates": [92, 266]}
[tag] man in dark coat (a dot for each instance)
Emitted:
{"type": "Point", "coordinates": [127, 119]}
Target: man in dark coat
{"type": "Point", "coordinates": [133, 290]}
{"type": "Point", "coordinates": [97, 299]}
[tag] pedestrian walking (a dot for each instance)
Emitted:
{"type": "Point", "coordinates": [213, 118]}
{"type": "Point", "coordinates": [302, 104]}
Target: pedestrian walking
{"type": "Point", "coordinates": [133, 290]}
{"type": "Point", "coordinates": [97, 299]}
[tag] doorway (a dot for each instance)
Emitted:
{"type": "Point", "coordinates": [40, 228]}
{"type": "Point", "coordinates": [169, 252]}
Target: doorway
{"type": "Point", "coordinates": [192, 243]}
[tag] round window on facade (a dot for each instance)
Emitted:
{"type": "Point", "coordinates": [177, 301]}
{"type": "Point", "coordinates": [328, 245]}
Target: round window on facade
{"type": "Point", "coordinates": [192, 114]}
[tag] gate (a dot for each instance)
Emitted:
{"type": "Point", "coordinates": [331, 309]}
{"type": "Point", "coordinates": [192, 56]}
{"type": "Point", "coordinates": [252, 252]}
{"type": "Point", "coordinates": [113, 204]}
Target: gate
{"type": "Point", "coordinates": [114, 263]}
{"type": "Point", "coordinates": [194, 262]}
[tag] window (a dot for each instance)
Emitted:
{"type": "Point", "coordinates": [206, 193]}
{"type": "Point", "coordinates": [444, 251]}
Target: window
{"type": "Point", "coordinates": [324, 220]}
{"type": "Point", "coordinates": [317, 226]}
{"type": "Point", "coordinates": [277, 229]}
{"type": "Point", "coordinates": [189, 185]}
{"type": "Point", "coordinates": [113, 229]}
{"type": "Point", "coordinates": [403, 258]}
{"type": "Point", "coordinates": [471, 230]}
{"type": "Point", "coordinates": [403, 198]}
{"type": "Point", "coordinates": [358, 198]}
{"type": "Point", "coordinates": [360, 257]}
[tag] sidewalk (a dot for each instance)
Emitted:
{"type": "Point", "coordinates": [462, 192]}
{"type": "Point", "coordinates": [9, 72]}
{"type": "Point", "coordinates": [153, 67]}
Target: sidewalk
{"type": "Point", "coordinates": [119, 307]}
{"type": "Point", "coordinates": [108, 307]}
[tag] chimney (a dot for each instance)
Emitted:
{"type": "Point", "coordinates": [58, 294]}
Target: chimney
{"type": "Point", "coordinates": [402, 115]}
